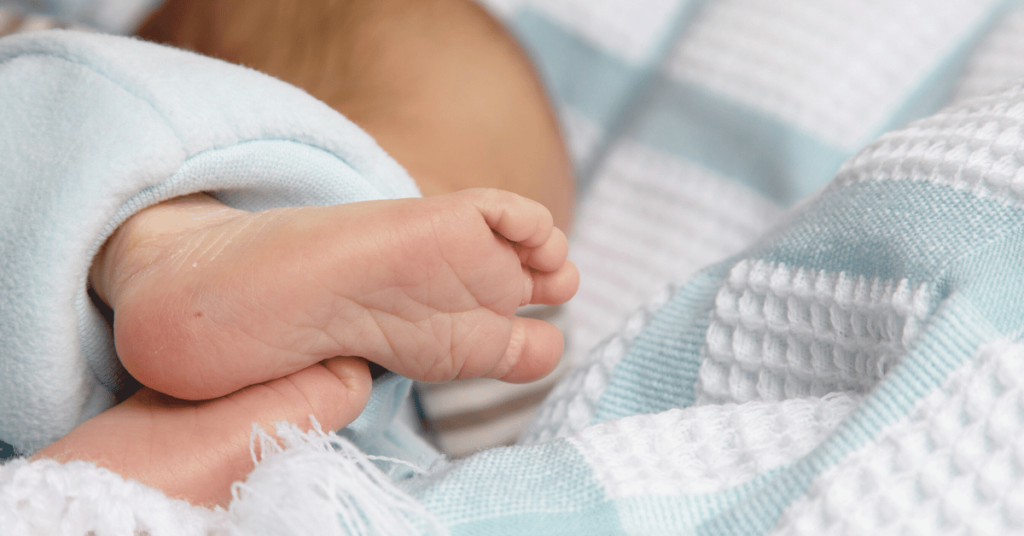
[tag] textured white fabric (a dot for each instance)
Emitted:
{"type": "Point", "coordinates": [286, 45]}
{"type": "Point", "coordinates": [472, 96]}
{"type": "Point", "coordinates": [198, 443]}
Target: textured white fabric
{"type": "Point", "coordinates": [46, 498]}
{"type": "Point", "coordinates": [707, 448]}
{"type": "Point", "coordinates": [976, 146]}
{"type": "Point", "coordinates": [955, 466]}
{"type": "Point", "coordinates": [312, 483]}
{"type": "Point", "coordinates": [781, 333]}
{"type": "Point", "coordinates": [821, 65]}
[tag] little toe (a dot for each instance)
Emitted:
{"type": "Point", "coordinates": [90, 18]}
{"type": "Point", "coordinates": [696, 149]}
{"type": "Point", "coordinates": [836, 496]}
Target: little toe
{"type": "Point", "coordinates": [553, 288]}
{"type": "Point", "coordinates": [534, 351]}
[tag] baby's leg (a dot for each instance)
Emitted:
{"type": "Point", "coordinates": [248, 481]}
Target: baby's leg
{"type": "Point", "coordinates": [440, 84]}
{"type": "Point", "coordinates": [208, 299]}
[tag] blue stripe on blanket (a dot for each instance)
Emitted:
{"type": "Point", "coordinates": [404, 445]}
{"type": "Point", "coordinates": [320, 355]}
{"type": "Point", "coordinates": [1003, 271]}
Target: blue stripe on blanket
{"type": "Point", "coordinates": [607, 89]}
{"type": "Point", "coordinates": [672, 515]}
{"type": "Point", "coordinates": [765, 154]}
{"type": "Point", "coordinates": [934, 90]}
{"type": "Point", "coordinates": [599, 84]}
{"type": "Point", "coordinates": [575, 72]}
{"type": "Point", "coordinates": [888, 229]}
{"type": "Point", "coordinates": [514, 491]}
{"type": "Point", "coordinates": [378, 432]}
{"type": "Point", "coordinates": [768, 155]}
{"type": "Point", "coordinates": [660, 368]}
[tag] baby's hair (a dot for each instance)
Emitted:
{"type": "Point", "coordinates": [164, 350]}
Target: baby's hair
{"type": "Point", "coordinates": [301, 43]}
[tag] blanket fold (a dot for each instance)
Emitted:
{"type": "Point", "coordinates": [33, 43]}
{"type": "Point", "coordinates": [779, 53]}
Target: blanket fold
{"type": "Point", "coordinates": [857, 370]}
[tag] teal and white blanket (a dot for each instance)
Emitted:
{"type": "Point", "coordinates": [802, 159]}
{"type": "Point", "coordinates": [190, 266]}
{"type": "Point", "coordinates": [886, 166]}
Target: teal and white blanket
{"type": "Point", "coordinates": [852, 364]}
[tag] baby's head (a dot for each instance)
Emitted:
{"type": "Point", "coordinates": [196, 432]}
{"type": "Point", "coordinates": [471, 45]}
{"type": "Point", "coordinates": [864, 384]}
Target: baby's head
{"type": "Point", "coordinates": [439, 84]}
{"type": "Point", "coordinates": [301, 43]}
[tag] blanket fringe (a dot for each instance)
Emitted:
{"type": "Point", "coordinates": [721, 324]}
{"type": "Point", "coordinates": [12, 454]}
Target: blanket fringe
{"type": "Point", "coordinates": [320, 483]}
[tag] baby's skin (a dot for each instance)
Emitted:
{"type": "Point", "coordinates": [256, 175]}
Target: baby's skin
{"type": "Point", "coordinates": [251, 311]}
{"type": "Point", "coordinates": [210, 299]}
{"type": "Point", "coordinates": [196, 450]}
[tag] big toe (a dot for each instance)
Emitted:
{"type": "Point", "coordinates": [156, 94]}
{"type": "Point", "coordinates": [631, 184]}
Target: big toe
{"type": "Point", "coordinates": [334, 391]}
{"type": "Point", "coordinates": [534, 351]}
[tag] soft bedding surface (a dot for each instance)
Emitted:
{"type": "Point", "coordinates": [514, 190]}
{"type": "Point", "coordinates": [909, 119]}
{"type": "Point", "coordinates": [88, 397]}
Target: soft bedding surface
{"type": "Point", "coordinates": [851, 364]}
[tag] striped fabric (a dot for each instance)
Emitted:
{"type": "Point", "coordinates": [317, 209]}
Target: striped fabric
{"type": "Point", "coordinates": [688, 144]}
{"type": "Point", "coordinates": [857, 369]}
{"type": "Point", "coordinates": [725, 112]}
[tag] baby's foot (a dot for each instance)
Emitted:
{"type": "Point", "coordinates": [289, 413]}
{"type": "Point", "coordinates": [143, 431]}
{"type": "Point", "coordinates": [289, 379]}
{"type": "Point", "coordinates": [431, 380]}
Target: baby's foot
{"type": "Point", "coordinates": [195, 450]}
{"type": "Point", "coordinates": [208, 299]}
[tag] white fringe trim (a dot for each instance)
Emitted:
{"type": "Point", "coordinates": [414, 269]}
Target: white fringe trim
{"type": "Point", "coordinates": [44, 497]}
{"type": "Point", "coordinates": [320, 483]}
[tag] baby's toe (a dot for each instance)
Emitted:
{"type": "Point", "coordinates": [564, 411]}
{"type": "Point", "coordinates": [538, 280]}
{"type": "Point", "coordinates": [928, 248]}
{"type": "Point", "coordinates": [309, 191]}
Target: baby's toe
{"type": "Point", "coordinates": [534, 351]}
{"type": "Point", "coordinates": [336, 389]}
{"type": "Point", "coordinates": [514, 217]}
{"type": "Point", "coordinates": [549, 256]}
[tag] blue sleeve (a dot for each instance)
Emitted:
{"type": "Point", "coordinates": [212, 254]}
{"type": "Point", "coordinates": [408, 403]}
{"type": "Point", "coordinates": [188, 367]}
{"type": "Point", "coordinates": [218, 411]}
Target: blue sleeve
{"type": "Point", "coordinates": [97, 127]}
